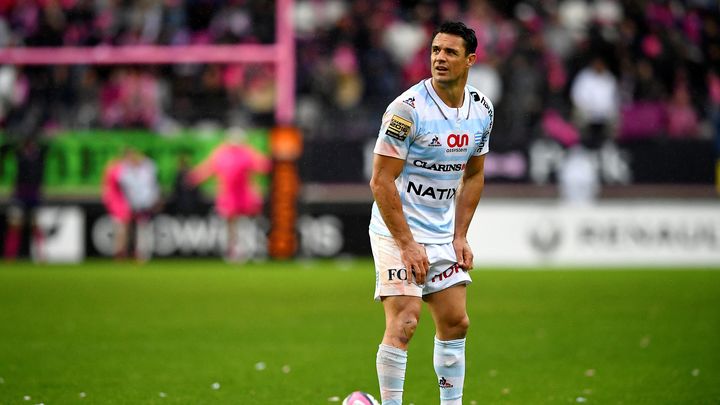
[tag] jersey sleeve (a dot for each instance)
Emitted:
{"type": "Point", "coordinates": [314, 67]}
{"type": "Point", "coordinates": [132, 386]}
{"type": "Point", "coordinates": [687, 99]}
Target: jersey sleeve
{"type": "Point", "coordinates": [398, 128]}
{"type": "Point", "coordinates": [482, 137]}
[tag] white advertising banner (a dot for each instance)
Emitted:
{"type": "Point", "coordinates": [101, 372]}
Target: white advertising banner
{"type": "Point", "coordinates": [648, 233]}
{"type": "Point", "coordinates": [62, 235]}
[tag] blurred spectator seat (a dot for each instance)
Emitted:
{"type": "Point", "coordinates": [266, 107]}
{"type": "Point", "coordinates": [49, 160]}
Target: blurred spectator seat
{"type": "Point", "coordinates": [641, 120]}
{"type": "Point", "coordinates": [559, 129]}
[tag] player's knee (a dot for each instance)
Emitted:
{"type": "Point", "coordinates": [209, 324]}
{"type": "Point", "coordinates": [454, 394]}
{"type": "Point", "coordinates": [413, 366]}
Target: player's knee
{"type": "Point", "coordinates": [403, 328]}
{"type": "Point", "coordinates": [407, 325]}
{"type": "Point", "coordinates": [457, 327]}
{"type": "Point", "coordinates": [464, 324]}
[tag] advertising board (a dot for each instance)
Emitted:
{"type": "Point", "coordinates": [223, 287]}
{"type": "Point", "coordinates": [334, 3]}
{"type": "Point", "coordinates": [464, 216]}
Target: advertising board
{"type": "Point", "coordinates": [647, 233]}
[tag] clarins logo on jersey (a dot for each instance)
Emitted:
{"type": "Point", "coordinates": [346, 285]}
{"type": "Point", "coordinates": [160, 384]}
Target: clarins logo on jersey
{"type": "Point", "coordinates": [434, 193]}
{"type": "Point", "coordinates": [452, 167]}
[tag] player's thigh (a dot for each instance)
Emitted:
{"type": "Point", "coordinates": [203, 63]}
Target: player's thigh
{"type": "Point", "coordinates": [401, 308]}
{"type": "Point", "coordinates": [449, 307]}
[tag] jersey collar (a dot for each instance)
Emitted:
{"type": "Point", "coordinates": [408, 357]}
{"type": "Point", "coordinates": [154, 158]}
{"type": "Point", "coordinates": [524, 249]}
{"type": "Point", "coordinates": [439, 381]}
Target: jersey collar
{"type": "Point", "coordinates": [449, 112]}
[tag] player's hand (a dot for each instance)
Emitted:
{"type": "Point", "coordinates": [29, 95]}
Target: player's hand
{"type": "Point", "coordinates": [464, 253]}
{"type": "Point", "coordinates": [415, 259]}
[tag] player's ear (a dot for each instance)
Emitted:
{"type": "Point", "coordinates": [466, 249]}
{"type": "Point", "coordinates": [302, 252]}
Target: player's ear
{"type": "Point", "coordinates": [471, 59]}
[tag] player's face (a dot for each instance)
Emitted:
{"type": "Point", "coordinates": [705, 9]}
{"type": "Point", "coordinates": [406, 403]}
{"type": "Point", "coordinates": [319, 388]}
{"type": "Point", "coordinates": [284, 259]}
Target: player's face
{"type": "Point", "coordinates": [448, 60]}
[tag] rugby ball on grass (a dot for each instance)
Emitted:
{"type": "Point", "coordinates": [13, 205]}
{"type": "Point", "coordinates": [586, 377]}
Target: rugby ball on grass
{"type": "Point", "coordinates": [360, 398]}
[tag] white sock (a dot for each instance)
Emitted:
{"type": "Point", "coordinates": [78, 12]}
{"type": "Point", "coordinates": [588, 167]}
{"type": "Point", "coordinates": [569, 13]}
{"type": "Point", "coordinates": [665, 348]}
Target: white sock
{"type": "Point", "coordinates": [449, 362]}
{"type": "Point", "coordinates": [391, 363]}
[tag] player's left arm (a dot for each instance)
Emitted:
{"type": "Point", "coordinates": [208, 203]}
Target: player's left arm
{"type": "Point", "coordinates": [466, 202]}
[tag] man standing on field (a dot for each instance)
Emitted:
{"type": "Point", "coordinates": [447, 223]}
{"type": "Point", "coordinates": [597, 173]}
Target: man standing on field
{"type": "Point", "coordinates": [427, 181]}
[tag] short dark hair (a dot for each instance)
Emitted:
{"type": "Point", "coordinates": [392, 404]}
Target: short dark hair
{"type": "Point", "coordinates": [461, 30]}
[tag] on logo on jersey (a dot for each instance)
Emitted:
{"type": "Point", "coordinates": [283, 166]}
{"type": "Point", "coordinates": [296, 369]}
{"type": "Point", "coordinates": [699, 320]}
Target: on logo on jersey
{"type": "Point", "coordinates": [458, 141]}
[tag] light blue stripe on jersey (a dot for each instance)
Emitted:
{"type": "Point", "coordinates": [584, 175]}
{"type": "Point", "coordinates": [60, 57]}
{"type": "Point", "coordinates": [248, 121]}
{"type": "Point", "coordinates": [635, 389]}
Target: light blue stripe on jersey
{"type": "Point", "coordinates": [433, 209]}
{"type": "Point", "coordinates": [438, 176]}
{"type": "Point", "coordinates": [424, 224]}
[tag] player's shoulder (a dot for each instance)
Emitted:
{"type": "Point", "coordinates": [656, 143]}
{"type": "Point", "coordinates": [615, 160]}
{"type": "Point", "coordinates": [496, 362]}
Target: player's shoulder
{"type": "Point", "coordinates": [478, 98]}
{"type": "Point", "coordinates": [411, 100]}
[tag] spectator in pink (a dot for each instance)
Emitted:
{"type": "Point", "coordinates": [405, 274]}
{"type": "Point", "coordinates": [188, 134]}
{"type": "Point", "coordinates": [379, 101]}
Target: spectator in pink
{"type": "Point", "coordinates": [682, 118]}
{"type": "Point", "coordinates": [116, 205]}
{"type": "Point", "coordinates": [131, 195]}
{"type": "Point", "coordinates": [234, 163]}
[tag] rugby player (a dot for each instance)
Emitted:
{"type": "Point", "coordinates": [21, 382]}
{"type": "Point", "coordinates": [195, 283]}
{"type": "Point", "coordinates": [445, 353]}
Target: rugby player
{"type": "Point", "coordinates": [427, 180]}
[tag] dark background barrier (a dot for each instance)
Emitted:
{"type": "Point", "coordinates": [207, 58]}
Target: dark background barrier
{"type": "Point", "coordinates": [323, 230]}
{"type": "Point", "coordinates": [648, 161]}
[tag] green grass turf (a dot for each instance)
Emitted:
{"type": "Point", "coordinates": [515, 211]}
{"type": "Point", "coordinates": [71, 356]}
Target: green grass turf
{"type": "Point", "coordinates": [124, 334]}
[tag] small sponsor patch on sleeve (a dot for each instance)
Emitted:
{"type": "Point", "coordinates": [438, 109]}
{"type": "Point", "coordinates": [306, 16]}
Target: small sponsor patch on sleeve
{"type": "Point", "coordinates": [399, 128]}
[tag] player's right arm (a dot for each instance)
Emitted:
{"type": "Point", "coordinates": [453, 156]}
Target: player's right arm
{"type": "Point", "coordinates": [385, 171]}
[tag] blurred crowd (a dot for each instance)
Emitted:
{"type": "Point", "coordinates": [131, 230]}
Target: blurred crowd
{"type": "Point", "coordinates": [162, 98]}
{"type": "Point", "coordinates": [573, 70]}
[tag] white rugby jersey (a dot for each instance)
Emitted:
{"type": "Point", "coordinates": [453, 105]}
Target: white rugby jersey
{"type": "Point", "coordinates": [139, 183]}
{"type": "Point", "coordinates": [436, 142]}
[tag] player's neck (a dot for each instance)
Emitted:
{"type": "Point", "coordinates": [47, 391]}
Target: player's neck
{"type": "Point", "coordinates": [452, 94]}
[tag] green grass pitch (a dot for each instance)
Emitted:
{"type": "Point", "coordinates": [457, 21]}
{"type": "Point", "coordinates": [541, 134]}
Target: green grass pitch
{"type": "Point", "coordinates": [303, 332]}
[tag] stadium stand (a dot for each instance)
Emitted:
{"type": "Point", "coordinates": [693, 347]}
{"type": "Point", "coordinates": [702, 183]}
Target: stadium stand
{"type": "Point", "coordinates": [663, 58]}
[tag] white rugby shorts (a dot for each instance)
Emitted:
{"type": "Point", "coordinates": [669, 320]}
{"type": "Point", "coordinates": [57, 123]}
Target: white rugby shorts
{"type": "Point", "coordinates": [391, 277]}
